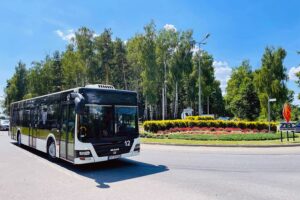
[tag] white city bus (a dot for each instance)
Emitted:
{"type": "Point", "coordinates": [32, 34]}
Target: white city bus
{"type": "Point", "coordinates": [82, 125]}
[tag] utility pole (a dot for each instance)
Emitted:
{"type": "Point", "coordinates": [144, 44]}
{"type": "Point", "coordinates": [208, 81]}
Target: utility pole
{"type": "Point", "coordinates": [269, 112]}
{"type": "Point", "coordinates": [199, 92]}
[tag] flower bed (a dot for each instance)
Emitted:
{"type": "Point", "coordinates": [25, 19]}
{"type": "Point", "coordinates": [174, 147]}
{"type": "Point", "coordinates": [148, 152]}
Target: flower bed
{"type": "Point", "coordinates": [160, 125]}
{"type": "Point", "coordinates": [211, 130]}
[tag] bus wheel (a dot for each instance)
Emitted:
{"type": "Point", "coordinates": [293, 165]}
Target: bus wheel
{"type": "Point", "coordinates": [51, 150]}
{"type": "Point", "coordinates": [19, 139]}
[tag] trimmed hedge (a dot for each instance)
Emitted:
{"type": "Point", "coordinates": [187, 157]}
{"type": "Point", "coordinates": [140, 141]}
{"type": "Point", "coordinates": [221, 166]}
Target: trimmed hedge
{"type": "Point", "coordinates": [200, 118]}
{"type": "Point", "coordinates": [158, 125]}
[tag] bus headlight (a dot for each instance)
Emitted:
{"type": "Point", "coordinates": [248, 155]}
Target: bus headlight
{"type": "Point", "coordinates": [85, 153]}
{"type": "Point", "coordinates": [137, 147]}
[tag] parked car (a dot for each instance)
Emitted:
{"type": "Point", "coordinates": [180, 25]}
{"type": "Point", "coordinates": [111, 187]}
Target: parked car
{"type": "Point", "coordinates": [4, 125]}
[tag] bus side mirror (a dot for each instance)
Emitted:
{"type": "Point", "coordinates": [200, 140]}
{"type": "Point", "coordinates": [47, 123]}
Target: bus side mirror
{"type": "Point", "coordinates": [79, 102]}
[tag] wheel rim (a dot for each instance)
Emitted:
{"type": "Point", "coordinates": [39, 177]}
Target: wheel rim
{"type": "Point", "coordinates": [51, 150]}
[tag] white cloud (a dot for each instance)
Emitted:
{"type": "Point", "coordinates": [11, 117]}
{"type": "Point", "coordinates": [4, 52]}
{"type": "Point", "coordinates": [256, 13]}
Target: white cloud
{"type": "Point", "coordinates": [222, 73]}
{"type": "Point", "coordinates": [296, 100]}
{"type": "Point", "coordinates": [170, 27]}
{"type": "Point", "coordinates": [66, 35]}
{"type": "Point", "coordinates": [292, 73]}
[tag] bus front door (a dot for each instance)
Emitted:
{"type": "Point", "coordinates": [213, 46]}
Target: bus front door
{"type": "Point", "coordinates": [67, 132]}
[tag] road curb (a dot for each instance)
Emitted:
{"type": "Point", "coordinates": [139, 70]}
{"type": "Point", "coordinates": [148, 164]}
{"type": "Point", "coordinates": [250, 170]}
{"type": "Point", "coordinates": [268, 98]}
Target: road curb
{"type": "Point", "coordinates": [240, 146]}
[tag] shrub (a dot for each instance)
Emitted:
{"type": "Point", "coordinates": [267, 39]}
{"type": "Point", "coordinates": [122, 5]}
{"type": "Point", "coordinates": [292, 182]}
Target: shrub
{"type": "Point", "coordinates": [160, 125]}
{"type": "Point", "coordinates": [200, 117]}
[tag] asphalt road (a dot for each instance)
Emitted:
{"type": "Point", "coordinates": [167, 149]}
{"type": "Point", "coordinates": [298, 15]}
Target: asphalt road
{"type": "Point", "coordinates": [160, 172]}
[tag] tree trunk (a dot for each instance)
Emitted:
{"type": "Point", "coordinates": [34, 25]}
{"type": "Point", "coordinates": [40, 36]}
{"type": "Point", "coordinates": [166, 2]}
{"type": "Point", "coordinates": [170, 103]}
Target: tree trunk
{"type": "Point", "coordinates": [163, 103]}
{"type": "Point", "coordinates": [151, 112]}
{"type": "Point", "coordinates": [146, 110]}
{"type": "Point", "coordinates": [176, 101]}
{"type": "Point", "coordinates": [208, 105]}
{"type": "Point", "coordinates": [106, 74]}
{"type": "Point", "coordinates": [124, 76]}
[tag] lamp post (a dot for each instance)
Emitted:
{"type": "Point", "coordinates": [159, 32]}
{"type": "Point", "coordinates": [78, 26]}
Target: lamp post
{"type": "Point", "coordinates": [269, 111]}
{"type": "Point", "coordinates": [202, 42]}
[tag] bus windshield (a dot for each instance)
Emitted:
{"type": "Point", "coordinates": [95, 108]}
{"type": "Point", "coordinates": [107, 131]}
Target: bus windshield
{"type": "Point", "coordinates": [101, 121]}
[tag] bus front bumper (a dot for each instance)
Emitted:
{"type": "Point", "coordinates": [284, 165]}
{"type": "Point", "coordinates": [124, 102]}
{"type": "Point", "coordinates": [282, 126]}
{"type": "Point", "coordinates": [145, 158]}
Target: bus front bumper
{"type": "Point", "coordinates": [87, 160]}
{"type": "Point", "coordinates": [94, 158]}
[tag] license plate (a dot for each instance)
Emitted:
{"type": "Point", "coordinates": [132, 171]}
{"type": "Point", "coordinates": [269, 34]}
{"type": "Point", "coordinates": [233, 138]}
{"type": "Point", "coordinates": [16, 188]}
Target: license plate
{"type": "Point", "coordinates": [114, 157]}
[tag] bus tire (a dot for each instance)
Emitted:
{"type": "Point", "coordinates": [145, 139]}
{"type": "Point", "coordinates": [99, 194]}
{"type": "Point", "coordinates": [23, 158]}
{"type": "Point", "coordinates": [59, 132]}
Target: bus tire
{"type": "Point", "coordinates": [51, 150]}
{"type": "Point", "coordinates": [19, 139]}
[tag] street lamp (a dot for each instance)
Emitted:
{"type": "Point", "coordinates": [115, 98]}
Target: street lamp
{"type": "Point", "coordinates": [269, 117]}
{"type": "Point", "coordinates": [202, 42]}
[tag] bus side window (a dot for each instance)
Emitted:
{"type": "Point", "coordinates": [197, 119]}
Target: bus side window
{"type": "Point", "coordinates": [26, 118]}
{"type": "Point", "coordinates": [53, 116]}
{"type": "Point", "coordinates": [15, 117]}
{"type": "Point", "coordinates": [42, 116]}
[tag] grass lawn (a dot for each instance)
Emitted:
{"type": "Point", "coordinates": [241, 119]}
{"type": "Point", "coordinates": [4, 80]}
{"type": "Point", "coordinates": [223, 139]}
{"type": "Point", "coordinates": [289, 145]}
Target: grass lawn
{"type": "Point", "coordinates": [220, 142]}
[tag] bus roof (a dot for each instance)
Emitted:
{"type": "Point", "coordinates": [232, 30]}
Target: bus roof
{"type": "Point", "coordinates": [73, 89]}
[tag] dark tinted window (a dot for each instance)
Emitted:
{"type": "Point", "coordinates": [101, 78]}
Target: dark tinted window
{"type": "Point", "coordinates": [109, 97]}
{"type": "Point", "coordinates": [96, 123]}
{"type": "Point", "coordinates": [126, 118]}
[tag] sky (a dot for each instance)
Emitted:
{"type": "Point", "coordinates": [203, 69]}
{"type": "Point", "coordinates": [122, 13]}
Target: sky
{"type": "Point", "coordinates": [239, 29]}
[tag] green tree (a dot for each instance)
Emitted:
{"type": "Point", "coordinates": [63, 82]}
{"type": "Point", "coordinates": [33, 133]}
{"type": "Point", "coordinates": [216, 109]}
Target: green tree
{"type": "Point", "coordinates": [135, 62]}
{"type": "Point", "coordinates": [167, 41]}
{"type": "Point", "coordinates": [217, 104]}
{"type": "Point", "coordinates": [270, 82]}
{"type": "Point", "coordinates": [156, 64]}
{"type": "Point", "coordinates": [181, 68]}
{"type": "Point", "coordinates": [35, 80]}
{"type": "Point", "coordinates": [150, 71]}
{"type": "Point", "coordinates": [16, 87]}
{"type": "Point", "coordinates": [241, 97]}
{"type": "Point", "coordinates": [120, 68]}
{"type": "Point", "coordinates": [135, 70]}
{"type": "Point", "coordinates": [84, 41]}
{"type": "Point", "coordinates": [74, 70]}
{"type": "Point", "coordinates": [104, 54]}
{"type": "Point", "coordinates": [57, 72]}
{"type": "Point", "coordinates": [212, 99]}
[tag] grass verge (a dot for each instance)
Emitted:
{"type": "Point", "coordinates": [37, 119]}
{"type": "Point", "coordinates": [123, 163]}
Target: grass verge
{"type": "Point", "coordinates": [207, 139]}
{"type": "Point", "coordinates": [218, 142]}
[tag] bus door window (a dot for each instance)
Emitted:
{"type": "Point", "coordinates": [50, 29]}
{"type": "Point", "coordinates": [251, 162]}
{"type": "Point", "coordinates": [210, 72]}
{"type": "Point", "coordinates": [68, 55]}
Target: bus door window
{"type": "Point", "coordinates": [71, 123]}
{"type": "Point", "coordinates": [63, 131]}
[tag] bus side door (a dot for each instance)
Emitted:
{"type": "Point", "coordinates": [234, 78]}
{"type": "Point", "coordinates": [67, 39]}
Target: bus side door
{"type": "Point", "coordinates": [67, 131]}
